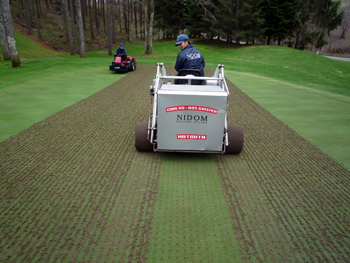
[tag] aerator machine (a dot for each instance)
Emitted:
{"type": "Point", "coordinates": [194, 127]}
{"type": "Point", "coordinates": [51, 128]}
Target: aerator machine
{"type": "Point", "coordinates": [189, 115]}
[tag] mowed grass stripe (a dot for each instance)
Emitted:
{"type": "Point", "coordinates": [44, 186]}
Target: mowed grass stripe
{"type": "Point", "coordinates": [63, 206]}
{"type": "Point", "coordinates": [24, 104]}
{"type": "Point", "coordinates": [289, 165]}
{"type": "Point", "coordinates": [39, 182]}
{"type": "Point", "coordinates": [321, 117]}
{"type": "Point", "coordinates": [128, 239]}
{"type": "Point", "coordinates": [290, 200]}
{"type": "Point", "coordinates": [191, 220]}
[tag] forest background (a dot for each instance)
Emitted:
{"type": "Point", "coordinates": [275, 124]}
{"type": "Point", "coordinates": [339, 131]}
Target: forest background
{"type": "Point", "coordinates": [76, 25]}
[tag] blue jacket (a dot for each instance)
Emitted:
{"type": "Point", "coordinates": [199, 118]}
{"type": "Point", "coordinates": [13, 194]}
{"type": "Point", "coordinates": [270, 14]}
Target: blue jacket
{"type": "Point", "coordinates": [120, 51]}
{"type": "Point", "coordinates": [190, 58]}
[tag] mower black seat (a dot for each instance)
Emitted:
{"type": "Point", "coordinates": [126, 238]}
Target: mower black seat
{"type": "Point", "coordinates": [185, 72]}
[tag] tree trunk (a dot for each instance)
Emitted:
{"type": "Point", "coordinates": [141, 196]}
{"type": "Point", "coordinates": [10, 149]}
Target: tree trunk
{"type": "Point", "coordinates": [113, 21]}
{"type": "Point", "coordinates": [135, 16]}
{"type": "Point", "coordinates": [81, 29]}
{"type": "Point", "coordinates": [83, 12]}
{"type": "Point", "coordinates": [104, 16]}
{"type": "Point", "coordinates": [296, 46]}
{"type": "Point", "coordinates": [91, 19]}
{"type": "Point", "coordinates": [120, 17]}
{"type": "Point", "coordinates": [128, 16]}
{"type": "Point", "coordinates": [73, 26]}
{"type": "Point", "coordinates": [29, 17]}
{"type": "Point", "coordinates": [69, 29]}
{"type": "Point", "coordinates": [109, 28]}
{"type": "Point", "coordinates": [125, 15]}
{"type": "Point", "coordinates": [40, 10]}
{"type": "Point", "coordinates": [20, 5]}
{"type": "Point", "coordinates": [141, 20]}
{"type": "Point", "coordinates": [149, 18]}
{"type": "Point", "coordinates": [10, 33]}
{"type": "Point", "coordinates": [36, 11]}
{"type": "Point", "coordinates": [3, 37]}
{"type": "Point", "coordinates": [131, 8]}
{"type": "Point", "coordinates": [96, 16]}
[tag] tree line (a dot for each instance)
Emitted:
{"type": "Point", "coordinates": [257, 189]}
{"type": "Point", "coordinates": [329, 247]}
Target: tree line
{"type": "Point", "coordinates": [295, 22]}
{"type": "Point", "coordinates": [93, 16]}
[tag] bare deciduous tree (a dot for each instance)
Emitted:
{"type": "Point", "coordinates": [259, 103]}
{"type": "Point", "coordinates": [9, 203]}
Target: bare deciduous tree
{"type": "Point", "coordinates": [10, 33]}
{"type": "Point", "coordinates": [113, 14]}
{"type": "Point", "coordinates": [91, 20]}
{"type": "Point", "coordinates": [68, 27]}
{"type": "Point", "coordinates": [73, 25]}
{"type": "Point", "coordinates": [135, 16]}
{"type": "Point", "coordinates": [345, 26]}
{"type": "Point", "coordinates": [36, 15]}
{"type": "Point", "coordinates": [29, 17]}
{"type": "Point", "coordinates": [149, 19]}
{"type": "Point", "coordinates": [3, 37]}
{"type": "Point", "coordinates": [81, 30]}
{"type": "Point", "coordinates": [109, 28]}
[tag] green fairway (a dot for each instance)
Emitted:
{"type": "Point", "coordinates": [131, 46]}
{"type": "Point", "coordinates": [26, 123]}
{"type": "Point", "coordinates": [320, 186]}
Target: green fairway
{"type": "Point", "coordinates": [74, 188]}
{"type": "Point", "coordinates": [28, 102]}
{"type": "Point", "coordinates": [321, 117]}
{"type": "Point", "coordinates": [191, 221]}
{"type": "Point", "coordinates": [310, 93]}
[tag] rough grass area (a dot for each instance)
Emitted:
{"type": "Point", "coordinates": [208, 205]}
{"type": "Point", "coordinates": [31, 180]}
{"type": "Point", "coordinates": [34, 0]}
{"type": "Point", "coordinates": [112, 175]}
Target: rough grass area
{"type": "Point", "coordinates": [73, 188]}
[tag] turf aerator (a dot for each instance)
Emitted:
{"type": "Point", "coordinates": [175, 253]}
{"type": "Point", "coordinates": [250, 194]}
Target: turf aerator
{"type": "Point", "coordinates": [189, 116]}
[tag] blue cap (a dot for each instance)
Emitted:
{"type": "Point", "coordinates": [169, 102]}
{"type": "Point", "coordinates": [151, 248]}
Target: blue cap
{"type": "Point", "coordinates": [181, 38]}
{"type": "Point", "coordinates": [121, 45]}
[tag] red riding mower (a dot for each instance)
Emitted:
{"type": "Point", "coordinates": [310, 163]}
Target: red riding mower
{"type": "Point", "coordinates": [118, 65]}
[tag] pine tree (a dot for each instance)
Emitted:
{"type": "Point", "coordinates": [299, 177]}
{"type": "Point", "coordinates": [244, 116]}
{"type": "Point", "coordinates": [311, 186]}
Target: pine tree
{"type": "Point", "coordinates": [197, 18]}
{"type": "Point", "coordinates": [281, 18]}
{"type": "Point", "coordinates": [169, 15]}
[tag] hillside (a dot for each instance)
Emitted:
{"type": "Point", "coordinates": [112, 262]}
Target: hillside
{"type": "Point", "coordinates": [53, 33]}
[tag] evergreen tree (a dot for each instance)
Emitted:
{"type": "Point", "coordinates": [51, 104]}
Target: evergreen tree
{"type": "Point", "coordinates": [196, 18]}
{"type": "Point", "coordinates": [169, 15]}
{"type": "Point", "coordinates": [251, 20]}
{"type": "Point", "coordinates": [226, 21]}
{"type": "Point", "coordinates": [280, 19]}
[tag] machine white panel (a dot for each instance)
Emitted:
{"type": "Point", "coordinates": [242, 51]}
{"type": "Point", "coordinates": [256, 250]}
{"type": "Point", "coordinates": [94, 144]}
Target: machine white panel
{"type": "Point", "coordinates": [191, 121]}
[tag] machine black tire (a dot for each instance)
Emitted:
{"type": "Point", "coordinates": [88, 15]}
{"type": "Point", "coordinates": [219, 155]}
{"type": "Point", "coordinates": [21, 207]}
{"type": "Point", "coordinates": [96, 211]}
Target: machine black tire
{"type": "Point", "coordinates": [133, 66]}
{"type": "Point", "coordinates": [235, 139]}
{"type": "Point", "coordinates": [141, 142]}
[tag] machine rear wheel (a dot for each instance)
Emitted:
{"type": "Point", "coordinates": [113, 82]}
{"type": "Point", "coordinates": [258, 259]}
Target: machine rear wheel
{"type": "Point", "coordinates": [235, 139]}
{"type": "Point", "coordinates": [141, 142]}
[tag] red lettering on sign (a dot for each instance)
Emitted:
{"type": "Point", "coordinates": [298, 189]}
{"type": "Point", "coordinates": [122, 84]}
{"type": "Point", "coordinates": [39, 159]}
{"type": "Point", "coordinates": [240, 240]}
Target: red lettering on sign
{"type": "Point", "coordinates": [191, 137]}
{"type": "Point", "coordinates": [191, 108]}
